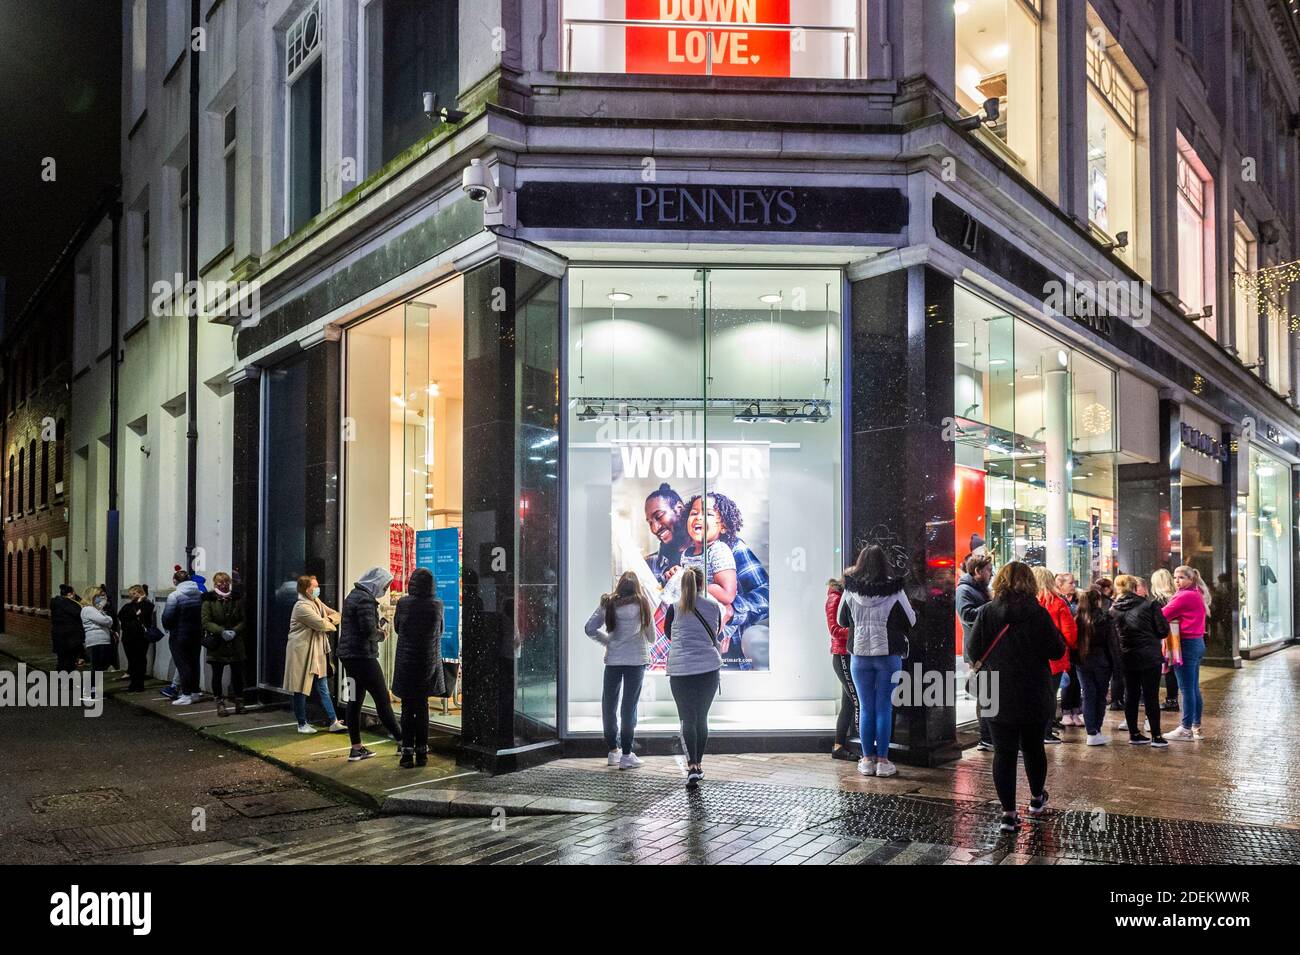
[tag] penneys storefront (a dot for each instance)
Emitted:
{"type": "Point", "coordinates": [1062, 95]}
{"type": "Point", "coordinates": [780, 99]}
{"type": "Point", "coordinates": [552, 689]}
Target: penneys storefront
{"type": "Point", "coordinates": [765, 372]}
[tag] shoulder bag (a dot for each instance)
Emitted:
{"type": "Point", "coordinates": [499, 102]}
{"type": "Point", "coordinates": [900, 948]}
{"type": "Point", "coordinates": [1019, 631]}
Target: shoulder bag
{"type": "Point", "coordinates": [978, 665]}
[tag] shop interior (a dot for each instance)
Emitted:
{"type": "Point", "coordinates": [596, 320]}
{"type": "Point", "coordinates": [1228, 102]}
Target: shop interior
{"type": "Point", "coordinates": [404, 386]}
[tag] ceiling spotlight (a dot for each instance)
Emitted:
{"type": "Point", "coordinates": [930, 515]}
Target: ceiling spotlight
{"type": "Point", "coordinates": [771, 298]}
{"type": "Point", "coordinates": [961, 344]}
{"type": "Point", "coordinates": [997, 361]}
{"type": "Point", "coordinates": [619, 297]}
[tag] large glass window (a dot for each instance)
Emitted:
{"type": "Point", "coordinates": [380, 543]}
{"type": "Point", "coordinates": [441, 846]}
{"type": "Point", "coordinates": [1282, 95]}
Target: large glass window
{"type": "Point", "coordinates": [705, 428]}
{"type": "Point", "coordinates": [1196, 286]}
{"type": "Point", "coordinates": [303, 75]}
{"type": "Point", "coordinates": [1264, 566]}
{"type": "Point", "coordinates": [712, 37]}
{"type": "Point", "coordinates": [403, 456]}
{"type": "Point", "coordinates": [1245, 302]}
{"type": "Point", "coordinates": [1112, 146]}
{"type": "Point", "coordinates": [411, 49]}
{"type": "Point", "coordinates": [998, 58]}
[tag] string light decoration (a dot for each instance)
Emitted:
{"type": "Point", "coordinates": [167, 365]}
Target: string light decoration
{"type": "Point", "coordinates": [1095, 419]}
{"type": "Point", "coordinates": [1271, 285]}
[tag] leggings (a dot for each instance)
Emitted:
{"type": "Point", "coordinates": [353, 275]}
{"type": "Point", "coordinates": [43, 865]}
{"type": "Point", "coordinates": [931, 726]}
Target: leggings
{"type": "Point", "coordinates": [1072, 695]}
{"type": "Point", "coordinates": [137, 659]}
{"type": "Point", "coordinates": [873, 677]}
{"type": "Point", "coordinates": [1008, 740]}
{"type": "Point", "coordinates": [850, 712]}
{"type": "Point", "coordinates": [1143, 683]}
{"type": "Point", "coordinates": [1171, 686]}
{"type": "Point", "coordinates": [236, 678]}
{"type": "Point", "coordinates": [415, 723]}
{"type": "Point", "coordinates": [185, 655]}
{"type": "Point", "coordinates": [367, 677]}
{"type": "Point", "coordinates": [694, 695]}
{"type": "Point", "coordinates": [321, 687]}
{"type": "Point", "coordinates": [1056, 686]}
{"type": "Point", "coordinates": [620, 721]}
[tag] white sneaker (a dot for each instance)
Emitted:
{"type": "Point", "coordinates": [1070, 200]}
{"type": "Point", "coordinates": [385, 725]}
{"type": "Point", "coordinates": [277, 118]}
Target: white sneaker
{"type": "Point", "coordinates": [183, 700]}
{"type": "Point", "coordinates": [1180, 733]}
{"type": "Point", "coordinates": [867, 766]}
{"type": "Point", "coordinates": [614, 757]}
{"type": "Point", "coordinates": [629, 761]}
{"type": "Point", "coordinates": [1196, 733]}
{"type": "Point", "coordinates": [1146, 726]}
{"type": "Point", "coordinates": [336, 727]}
{"type": "Point", "coordinates": [885, 768]}
{"type": "Point", "coordinates": [306, 728]}
{"type": "Point", "coordinates": [1098, 739]}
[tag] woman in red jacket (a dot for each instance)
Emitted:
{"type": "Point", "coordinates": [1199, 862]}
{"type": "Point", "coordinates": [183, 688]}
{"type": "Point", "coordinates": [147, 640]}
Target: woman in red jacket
{"type": "Point", "coordinates": [840, 656]}
{"type": "Point", "coordinates": [1059, 611]}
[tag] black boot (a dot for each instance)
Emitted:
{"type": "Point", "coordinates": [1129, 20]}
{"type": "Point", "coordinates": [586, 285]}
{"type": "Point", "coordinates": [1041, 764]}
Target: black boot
{"type": "Point", "coordinates": [421, 756]}
{"type": "Point", "coordinates": [407, 761]}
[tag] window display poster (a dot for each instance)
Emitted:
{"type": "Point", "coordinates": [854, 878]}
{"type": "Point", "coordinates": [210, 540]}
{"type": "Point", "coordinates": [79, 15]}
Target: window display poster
{"type": "Point", "coordinates": [685, 50]}
{"type": "Point", "coordinates": [660, 525]}
{"type": "Point", "coordinates": [439, 551]}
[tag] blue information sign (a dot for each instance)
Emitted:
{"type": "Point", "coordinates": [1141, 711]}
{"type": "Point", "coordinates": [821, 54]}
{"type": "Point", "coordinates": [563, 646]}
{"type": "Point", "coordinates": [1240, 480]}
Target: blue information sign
{"type": "Point", "coordinates": [438, 551]}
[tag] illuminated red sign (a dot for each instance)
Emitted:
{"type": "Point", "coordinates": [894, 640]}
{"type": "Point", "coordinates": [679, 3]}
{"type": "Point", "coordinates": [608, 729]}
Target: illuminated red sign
{"type": "Point", "coordinates": [685, 49]}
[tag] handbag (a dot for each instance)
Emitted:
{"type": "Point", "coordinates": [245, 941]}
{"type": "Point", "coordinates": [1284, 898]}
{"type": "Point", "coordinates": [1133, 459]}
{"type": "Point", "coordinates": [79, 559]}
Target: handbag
{"type": "Point", "coordinates": [1172, 646]}
{"type": "Point", "coordinates": [978, 665]}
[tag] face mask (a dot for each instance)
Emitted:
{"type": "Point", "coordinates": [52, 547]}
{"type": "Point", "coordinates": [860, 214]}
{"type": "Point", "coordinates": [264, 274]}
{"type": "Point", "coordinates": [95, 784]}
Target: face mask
{"type": "Point", "coordinates": [223, 591]}
{"type": "Point", "coordinates": [315, 592]}
{"type": "Point", "coordinates": [100, 601]}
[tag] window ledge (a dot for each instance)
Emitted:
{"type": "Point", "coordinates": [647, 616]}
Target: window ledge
{"type": "Point", "coordinates": [728, 85]}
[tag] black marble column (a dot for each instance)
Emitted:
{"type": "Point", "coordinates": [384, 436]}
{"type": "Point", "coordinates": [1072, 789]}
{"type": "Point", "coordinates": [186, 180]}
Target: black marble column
{"type": "Point", "coordinates": [511, 648]}
{"type": "Point", "coordinates": [1222, 639]}
{"type": "Point", "coordinates": [1295, 555]}
{"type": "Point", "coordinates": [902, 474]}
{"type": "Point", "coordinates": [245, 491]}
{"type": "Point", "coordinates": [1150, 502]}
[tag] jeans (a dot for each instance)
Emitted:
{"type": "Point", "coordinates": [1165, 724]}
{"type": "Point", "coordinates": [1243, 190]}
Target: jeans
{"type": "Point", "coordinates": [101, 657]}
{"type": "Point", "coordinates": [873, 678]}
{"type": "Point", "coordinates": [1189, 680]}
{"type": "Point", "coordinates": [850, 712]}
{"type": "Point", "coordinates": [1093, 683]}
{"type": "Point", "coordinates": [367, 677]}
{"type": "Point", "coordinates": [321, 687]}
{"type": "Point", "coordinates": [1071, 696]}
{"type": "Point", "coordinates": [236, 678]}
{"type": "Point", "coordinates": [1008, 740]}
{"type": "Point", "coordinates": [694, 695]}
{"type": "Point", "coordinates": [1056, 686]}
{"type": "Point", "coordinates": [612, 715]}
{"type": "Point", "coordinates": [1143, 683]}
{"type": "Point", "coordinates": [415, 723]}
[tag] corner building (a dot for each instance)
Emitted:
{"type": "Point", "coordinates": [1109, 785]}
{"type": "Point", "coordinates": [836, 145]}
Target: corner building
{"type": "Point", "coordinates": [935, 276]}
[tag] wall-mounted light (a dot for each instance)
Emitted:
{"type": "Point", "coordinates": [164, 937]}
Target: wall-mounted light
{"type": "Point", "coordinates": [771, 298]}
{"type": "Point", "coordinates": [619, 296]}
{"type": "Point", "coordinates": [1120, 243]}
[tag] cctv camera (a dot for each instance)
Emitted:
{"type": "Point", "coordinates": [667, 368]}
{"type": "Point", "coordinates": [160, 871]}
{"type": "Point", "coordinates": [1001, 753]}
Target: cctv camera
{"type": "Point", "coordinates": [991, 108]}
{"type": "Point", "coordinates": [477, 181]}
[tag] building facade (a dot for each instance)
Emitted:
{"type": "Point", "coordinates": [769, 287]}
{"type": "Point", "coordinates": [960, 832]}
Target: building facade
{"type": "Point", "coordinates": [522, 292]}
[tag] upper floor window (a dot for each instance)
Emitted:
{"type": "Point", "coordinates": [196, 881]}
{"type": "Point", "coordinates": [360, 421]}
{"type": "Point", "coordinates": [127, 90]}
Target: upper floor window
{"type": "Point", "coordinates": [59, 436]}
{"type": "Point", "coordinates": [228, 154]}
{"type": "Point", "coordinates": [304, 83]}
{"type": "Point", "coordinates": [998, 58]}
{"type": "Point", "coordinates": [178, 29]}
{"type": "Point", "coordinates": [1196, 286]}
{"type": "Point", "coordinates": [1279, 340]}
{"type": "Point", "coordinates": [1112, 145]}
{"type": "Point", "coordinates": [411, 49]}
{"type": "Point", "coordinates": [1245, 302]}
{"type": "Point", "coordinates": [713, 37]}
{"type": "Point", "coordinates": [31, 487]}
{"type": "Point", "coordinates": [183, 219]}
{"type": "Point", "coordinates": [139, 57]}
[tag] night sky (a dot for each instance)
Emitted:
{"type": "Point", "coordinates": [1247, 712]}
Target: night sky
{"type": "Point", "coordinates": [60, 78]}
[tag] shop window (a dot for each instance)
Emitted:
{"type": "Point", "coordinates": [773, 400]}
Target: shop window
{"type": "Point", "coordinates": [1196, 286]}
{"type": "Point", "coordinates": [1245, 300]}
{"type": "Point", "coordinates": [1112, 147]}
{"type": "Point", "coordinates": [707, 392]}
{"type": "Point", "coordinates": [411, 49]}
{"type": "Point", "coordinates": [1264, 566]}
{"type": "Point", "coordinates": [404, 410]}
{"type": "Point", "coordinates": [712, 37]}
{"type": "Point", "coordinates": [998, 58]}
{"type": "Point", "coordinates": [303, 80]}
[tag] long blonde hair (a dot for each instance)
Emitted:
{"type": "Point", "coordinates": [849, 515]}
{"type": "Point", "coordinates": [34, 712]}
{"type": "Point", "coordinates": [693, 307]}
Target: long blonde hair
{"type": "Point", "coordinates": [1162, 584]}
{"type": "Point", "coordinates": [1046, 581]}
{"type": "Point", "coordinates": [627, 588]}
{"type": "Point", "coordinates": [89, 599]}
{"type": "Point", "coordinates": [1197, 581]}
{"type": "Point", "coordinates": [692, 584]}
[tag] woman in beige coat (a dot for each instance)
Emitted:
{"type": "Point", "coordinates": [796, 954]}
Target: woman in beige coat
{"type": "Point", "coordinates": [306, 654]}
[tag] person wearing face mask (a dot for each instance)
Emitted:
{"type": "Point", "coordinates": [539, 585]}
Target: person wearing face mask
{"type": "Point", "coordinates": [100, 638]}
{"type": "Point", "coordinates": [135, 617]}
{"type": "Point", "coordinates": [306, 654]}
{"type": "Point", "coordinates": [183, 620]}
{"type": "Point", "coordinates": [360, 633]}
{"type": "Point", "coordinates": [223, 624]}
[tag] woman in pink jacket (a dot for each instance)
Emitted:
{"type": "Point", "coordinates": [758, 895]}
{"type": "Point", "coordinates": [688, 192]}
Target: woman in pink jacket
{"type": "Point", "coordinates": [1188, 609]}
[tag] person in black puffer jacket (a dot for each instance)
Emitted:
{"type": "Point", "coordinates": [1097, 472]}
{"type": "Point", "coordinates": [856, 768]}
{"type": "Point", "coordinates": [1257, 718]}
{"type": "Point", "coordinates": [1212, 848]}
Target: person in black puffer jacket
{"type": "Point", "coordinates": [66, 632]}
{"type": "Point", "coordinates": [360, 632]}
{"type": "Point", "coordinates": [1141, 626]}
{"type": "Point", "coordinates": [417, 664]}
{"type": "Point", "coordinates": [1017, 667]}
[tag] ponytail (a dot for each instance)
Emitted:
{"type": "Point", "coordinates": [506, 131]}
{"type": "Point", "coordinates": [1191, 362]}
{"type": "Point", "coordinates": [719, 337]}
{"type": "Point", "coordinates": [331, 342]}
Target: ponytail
{"type": "Point", "coordinates": [692, 581]}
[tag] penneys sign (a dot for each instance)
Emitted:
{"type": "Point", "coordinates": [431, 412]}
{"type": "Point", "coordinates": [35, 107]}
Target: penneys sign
{"type": "Point", "coordinates": [573, 206]}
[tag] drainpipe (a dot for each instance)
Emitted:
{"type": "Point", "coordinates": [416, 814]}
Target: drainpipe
{"type": "Point", "coordinates": [192, 312]}
{"type": "Point", "coordinates": [112, 542]}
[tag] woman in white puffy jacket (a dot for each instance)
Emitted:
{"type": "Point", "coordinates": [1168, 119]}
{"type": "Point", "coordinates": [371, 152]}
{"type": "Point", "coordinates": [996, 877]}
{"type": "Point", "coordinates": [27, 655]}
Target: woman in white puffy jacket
{"type": "Point", "coordinates": [98, 627]}
{"type": "Point", "coordinates": [882, 618]}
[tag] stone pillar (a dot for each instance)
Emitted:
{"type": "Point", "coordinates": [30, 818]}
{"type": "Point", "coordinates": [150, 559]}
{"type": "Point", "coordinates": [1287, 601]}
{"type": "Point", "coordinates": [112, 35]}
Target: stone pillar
{"type": "Point", "coordinates": [901, 493]}
{"type": "Point", "coordinates": [510, 574]}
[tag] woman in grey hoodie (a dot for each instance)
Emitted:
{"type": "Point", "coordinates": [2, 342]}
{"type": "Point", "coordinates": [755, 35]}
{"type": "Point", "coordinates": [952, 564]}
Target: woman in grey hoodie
{"type": "Point", "coordinates": [624, 624]}
{"type": "Point", "coordinates": [360, 632]}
